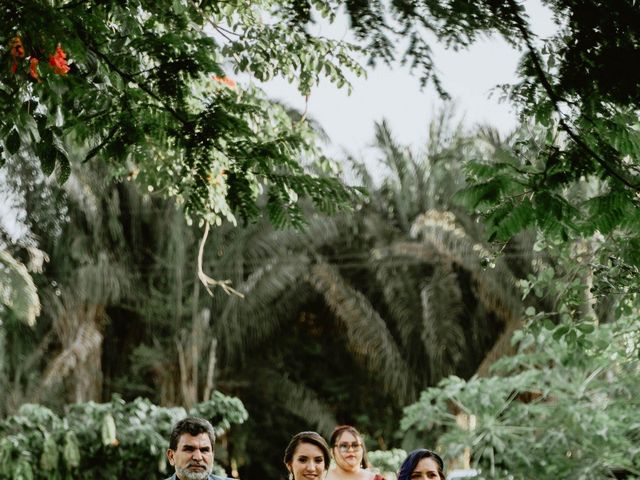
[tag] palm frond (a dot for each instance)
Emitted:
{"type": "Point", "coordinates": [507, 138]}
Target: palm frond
{"type": "Point", "coordinates": [402, 297]}
{"type": "Point", "coordinates": [272, 293]}
{"type": "Point", "coordinates": [442, 335]}
{"type": "Point", "coordinates": [17, 290]}
{"type": "Point", "coordinates": [444, 136]}
{"type": "Point", "coordinates": [319, 231]}
{"type": "Point", "coordinates": [299, 400]}
{"type": "Point", "coordinates": [400, 270]}
{"type": "Point", "coordinates": [77, 327]}
{"type": "Point", "coordinates": [394, 154]}
{"type": "Point", "coordinates": [495, 285]}
{"type": "Point", "coordinates": [359, 170]}
{"type": "Point", "coordinates": [369, 338]}
{"type": "Point", "coordinates": [408, 249]}
{"type": "Point", "coordinates": [102, 282]}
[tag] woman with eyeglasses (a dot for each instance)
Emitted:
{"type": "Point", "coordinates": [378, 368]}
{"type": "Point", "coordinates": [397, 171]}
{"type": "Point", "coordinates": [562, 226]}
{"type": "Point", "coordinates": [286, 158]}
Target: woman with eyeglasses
{"type": "Point", "coordinates": [422, 464]}
{"type": "Point", "coordinates": [349, 456]}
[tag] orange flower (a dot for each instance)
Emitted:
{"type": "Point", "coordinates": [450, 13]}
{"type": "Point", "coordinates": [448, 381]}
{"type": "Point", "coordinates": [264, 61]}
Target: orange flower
{"type": "Point", "coordinates": [16, 47]}
{"type": "Point", "coordinates": [33, 68]}
{"type": "Point", "coordinates": [225, 81]}
{"type": "Point", "coordinates": [16, 50]}
{"type": "Point", "coordinates": [59, 61]}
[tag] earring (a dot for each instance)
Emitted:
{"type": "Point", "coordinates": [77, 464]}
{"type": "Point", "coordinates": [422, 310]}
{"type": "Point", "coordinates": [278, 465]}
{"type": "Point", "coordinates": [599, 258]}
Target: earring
{"type": "Point", "coordinates": [290, 475]}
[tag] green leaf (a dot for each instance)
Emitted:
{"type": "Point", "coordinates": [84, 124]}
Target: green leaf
{"type": "Point", "coordinates": [477, 194]}
{"type": "Point", "coordinates": [64, 167]}
{"type": "Point", "coordinates": [48, 155]}
{"type": "Point", "coordinates": [586, 328]}
{"type": "Point", "coordinates": [13, 142]}
{"type": "Point", "coordinates": [560, 332]}
{"type": "Point", "coordinates": [518, 219]}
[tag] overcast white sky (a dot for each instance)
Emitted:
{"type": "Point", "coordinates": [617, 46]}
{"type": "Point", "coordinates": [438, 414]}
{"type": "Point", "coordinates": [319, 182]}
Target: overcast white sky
{"type": "Point", "coordinates": [394, 94]}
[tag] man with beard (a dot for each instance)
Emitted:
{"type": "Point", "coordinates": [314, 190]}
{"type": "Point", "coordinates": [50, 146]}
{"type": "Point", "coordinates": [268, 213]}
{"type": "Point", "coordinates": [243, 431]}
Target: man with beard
{"type": "Point", "coordinates": [191, 450]}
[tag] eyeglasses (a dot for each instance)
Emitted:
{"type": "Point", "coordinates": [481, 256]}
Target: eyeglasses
{"type": "Point", "coordinates": [345, 447]}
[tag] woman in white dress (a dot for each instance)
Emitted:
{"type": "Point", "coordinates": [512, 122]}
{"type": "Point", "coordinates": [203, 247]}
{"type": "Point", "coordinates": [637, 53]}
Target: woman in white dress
{"type": "Point", "coordinates": [349, 456]}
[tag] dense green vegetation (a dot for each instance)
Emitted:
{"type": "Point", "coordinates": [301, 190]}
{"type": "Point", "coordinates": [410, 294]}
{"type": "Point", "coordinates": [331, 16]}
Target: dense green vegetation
{"type": "Point", "coordinates": [552, 408]}
{"type": "Point", "coordinates": [102, 441]}
{"type": "Point", "coordinates": [468, 250]}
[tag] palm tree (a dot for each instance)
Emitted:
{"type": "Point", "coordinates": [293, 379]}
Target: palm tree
{"type": "Point", "coordinates": [345, 321]}
{"type": "Point", "coordinates": [404, 285]}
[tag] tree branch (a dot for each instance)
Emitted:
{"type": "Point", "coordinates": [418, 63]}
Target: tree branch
{"type": "Point", "coordinates": [206, 279]}
{"type": "Point", "coordinates": [93, 152]}
{"type": "Point", "coordinates": [127, 76]}
{"type": "Point", "coordinates": [556, 99]}
{"type": "Point", "coordinates": [130, 78]}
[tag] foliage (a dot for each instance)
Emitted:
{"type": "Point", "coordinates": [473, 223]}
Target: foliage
{"type": "Point", "coordinates": [403, 288]}
{"type": "Point", "coordinates": [147, 94]}
{"type": "Point", "coordinates": [395, 294]}
{"type": "Point", "coordinates": [101, 441]}
{"type": "Point", "coordinates": [575, 86]}
{"type": "Point", "coordinates": [145, 91]}
{"type": "Point", "coordinates": [387, 462]}
{"type": "Point", "coordinates": [551, 410]}
{"type": "Point", "coordinates": [222, 411]}
{"type": "Point", "coordinates": [573, 172]}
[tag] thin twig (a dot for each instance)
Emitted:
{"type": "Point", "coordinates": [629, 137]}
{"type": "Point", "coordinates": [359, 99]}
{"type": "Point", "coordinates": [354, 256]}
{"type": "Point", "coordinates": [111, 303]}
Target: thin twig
{"type": "Point", "coordinates": [141, 86]}
{"type": "Point", "coordinates": [306, 109]}
{"type": "Point", "coordinates": [93, 152]}
{"type": "Point", "coordinates": [221, 30]}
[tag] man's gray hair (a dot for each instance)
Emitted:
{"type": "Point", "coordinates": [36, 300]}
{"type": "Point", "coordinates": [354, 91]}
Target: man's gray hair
{"type": "Point", "coordinates": [193, 426]}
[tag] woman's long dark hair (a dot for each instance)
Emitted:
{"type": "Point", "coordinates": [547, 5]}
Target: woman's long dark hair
{"type": "Point", "coordinates": [313, 438]}
{"type": "Point", "coordinates": [409, 464]}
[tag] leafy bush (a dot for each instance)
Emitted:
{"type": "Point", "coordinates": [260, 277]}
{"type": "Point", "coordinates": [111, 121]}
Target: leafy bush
{"type": "Point", "coordinates": [555, 410]}
{"type": "Point", "coordinates": [387, 462]}
{"type": "Point", "coordinates": [104, 441]}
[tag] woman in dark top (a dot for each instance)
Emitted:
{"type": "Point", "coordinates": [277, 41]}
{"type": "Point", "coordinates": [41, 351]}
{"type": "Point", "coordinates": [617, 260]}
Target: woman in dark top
{"type": "Point", "coordinates": [422, 464]}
